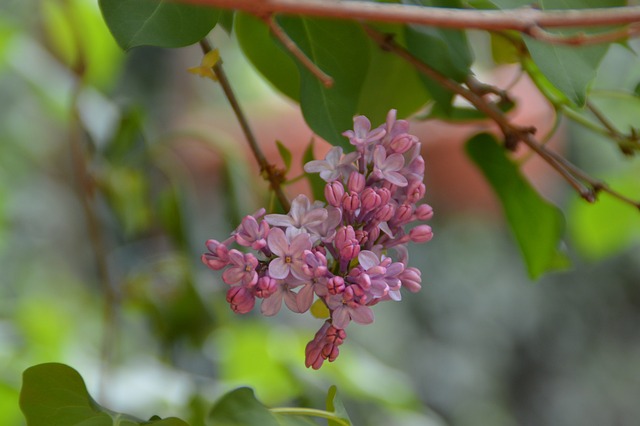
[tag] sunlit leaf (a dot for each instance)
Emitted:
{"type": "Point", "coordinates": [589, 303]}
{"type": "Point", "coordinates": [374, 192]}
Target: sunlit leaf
{"type": "Point", "coordinates": [608, 226]}
{"type": "Point", "coordinates": [335, 406]}
{"type": "Point", "coordinates": [536, 224]}
{"type": "Point", "coordinates": [330, 111]}
{"type": "Point", "coordinates": [157, 22]}
{"type": "Point", "coordinates": [267, 55]}
{"type": "Point", "coordinates": [54, 394]}
{"type": "Point", "coordinates": [319, 309]}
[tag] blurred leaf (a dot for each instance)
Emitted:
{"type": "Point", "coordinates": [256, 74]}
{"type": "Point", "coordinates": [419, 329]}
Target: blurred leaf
{"type": "Point", "coordinates": [570, 68]}
{"type": "Point", "coordinates": [9, 408]}
{"type": "Point", "coordinates": [285, 154]}
{"type": "Point", "coordinates": [170, 214]}
{"type": "Point", "coordinates": [60, 31]}
{"type": "Point", "coordinates": [334, 405]}
{"type": "Point", "coordinates": [315, 181]}
{"type": "Point", "coordinates": [127, 144]}
{"type": "Point", "coordinates": [536, 224]}
{"type": "Point", "coordinates": [608, 226]}
{"type": "Point", "coordinates": [157, 22]}
{"type": "Point", "coordinates": [225, 20]}
{"type": "Point", "coordinates": [463, 114]}
{"type": "Point", "coordinates": [621, 109]}
{"type": "Point", "coordinates": [319, 309]}
{"type": "Point", "coordinates": [267, 55]}
{"type": "Point", "coordinates": [447, 51]}
{"type": "Point", "coordinates": [128, 192]}
{"type": "Point", "coordinates": [329, 111]}
{"type": "Point", "coordinates": [55, 394]}
{"type": "Point", "coordinates": [503, 51]}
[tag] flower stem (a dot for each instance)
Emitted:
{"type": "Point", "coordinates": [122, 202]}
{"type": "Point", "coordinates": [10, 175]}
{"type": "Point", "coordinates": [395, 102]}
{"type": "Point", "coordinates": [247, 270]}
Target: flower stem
{"type": "Point", "coordinates": [310, 412]}
{"type": "Point", "coordinates": [267, 170]}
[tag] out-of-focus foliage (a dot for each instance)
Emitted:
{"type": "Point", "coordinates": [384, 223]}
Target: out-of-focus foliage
{"type": "Point", "coordinates": [479, 344]}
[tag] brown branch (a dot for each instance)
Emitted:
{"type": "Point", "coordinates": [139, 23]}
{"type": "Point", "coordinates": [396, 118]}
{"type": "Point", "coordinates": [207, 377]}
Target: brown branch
{"type": "Point", "coordinates": [521, 19]}
{"type": "Point", "coordinates": [583, 184]}
{"type": "Point", "coordinates": [581, 38]}
{"type": "Point", "coordinates": [292, 47]}
{"type": "Point", "coordinates": [269, 171]}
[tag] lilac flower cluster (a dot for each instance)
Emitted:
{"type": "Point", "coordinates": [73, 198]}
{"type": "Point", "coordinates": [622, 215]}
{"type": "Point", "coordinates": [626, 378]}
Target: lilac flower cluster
{"type": "Point", "coordinates": [337, 253]}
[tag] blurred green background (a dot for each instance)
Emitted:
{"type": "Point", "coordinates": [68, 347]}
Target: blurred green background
{"type": "Point", "coordinates": [114, 170]}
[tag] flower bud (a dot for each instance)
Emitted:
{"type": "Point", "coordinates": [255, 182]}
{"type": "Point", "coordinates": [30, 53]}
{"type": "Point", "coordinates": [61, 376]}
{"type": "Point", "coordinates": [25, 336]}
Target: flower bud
{"type": "Point", "coordinates": [241, 299]}
{"type": "Point", "coordinates": [415, 191]}
{"type": "Point", "coordinates": [403, 214]}
{"type": "Point", "coordinates": [370, 199]}
{"type": "Point", "coordinates": [333, 193]}
{"type": "Point", "coordinates": [411, 279]}
{"type": "Point", "coordinates": [346, 243]}
{"type": "Point", "coordinates": [424, 212]}
{"type": "Point", "coordinates": [385, 195]}
{"type": "Point", "coordinates": [402, 143]}
{"type": "Point", "coordinates": [350, 202]}
{"type": "Point", "coordinates": [385, 213]}
{"type": "Point", "coordinates": [335, 285]}
{"type": "Point", "coordinates": [421, 234]}
{"type": "Point", "coordinates": [356, 182]}
{"type": "Point", "coordinates": [266, 286]}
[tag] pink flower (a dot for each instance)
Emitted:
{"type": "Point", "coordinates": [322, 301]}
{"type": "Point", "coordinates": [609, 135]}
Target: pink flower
{"type": "Point", "coordinates": [324, 346]}
{"type": "Point", "coordinates": [242, 270]}
{"type": "Point", "coordinates": [343, 311]}
{"type": "Point", "coordinates": [388, 168]}
{"type": "Point", "coordinates": [272, 304]}
{"type": "Point", "coordinates": [218, 257]}
{"type": "Point", "coordinates": [289, 254]}
{"type": "Point", "coordinates": [411, 279]}
{"type": "Point", "coordinates": [303, 216]}
{"type": "Point", "coordinates": [362, 136]}
{"type": "Point", "coordinates": [334, 165]}
{"type": "Point", "coordinates": [250, 234]}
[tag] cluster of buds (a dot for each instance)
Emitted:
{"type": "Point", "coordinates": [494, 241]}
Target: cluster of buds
{"type": "Point", "coordinates": [337, 254]}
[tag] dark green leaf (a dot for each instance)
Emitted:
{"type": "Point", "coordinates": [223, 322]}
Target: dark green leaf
{"type": "Point", "coordinates": [55, 395]}
{"type": "Point", "coordinates": [267, 55]}
{"type": "Point", "coordinates": [330, 111]}
{"type": "Point", "coordinates": [285, 154]}
{"type": "Point", "coordinates": [157, 22]}
{"type": "Point", "coordinates": [127, 145]}
{"type": "Point", "coordinates": [391, 82]}
{"type": "Point", "coordinates": [447, 51]}
{"type": "Point", "coordinates": [241, 408]}
{"type": "Point", "coordinates": [335, 406]}
{"type": "Point", "coordinates": [225, 20]}
{"type": "Point", "coordinates": [536, 224]}
{"type": "Point", "coordinates": [315, 181]}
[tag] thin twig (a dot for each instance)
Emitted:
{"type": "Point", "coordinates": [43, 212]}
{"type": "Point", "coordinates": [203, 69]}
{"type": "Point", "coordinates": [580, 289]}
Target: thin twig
{"type": "Point", "coordinates": [77, 135]}
{"type": "Point", "coordinates": [269, 171]}
{"type": "Point", "coordinates": [520, 19]}
{"type": "Point", "coordinates": [292, 47]}
{"type": "Point", "coordinates": [582, 38]}
{"type": "Point", "coordinates": [586, 186]}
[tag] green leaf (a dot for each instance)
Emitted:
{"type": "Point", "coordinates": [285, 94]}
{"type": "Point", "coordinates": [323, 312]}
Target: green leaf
{"type": "Point", "coordinates": [157, 22]}
{"type": "Point", "coordinates": [267, 55]}
{"type": "Point", "coordinates": [285, 154]}
{"type": "Point", "coordinates": [536, 224]}
{"type": "Point", "coordinates": [330, 111]}
{"type": "Point", "coordinates": [570, 68]}
{"type": "Point", "coordinates": [608, 226]}
{"type": "Point", "coordinates": [241, 408]}
{"type": "Point", "coordinates": [334, 405]}
{"type": "Point", "coordinates": [54, 394]}
{"type": "Point", "coordinates": [391, 82]}
{"type": "Point", "coordinates": [445, 50]}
